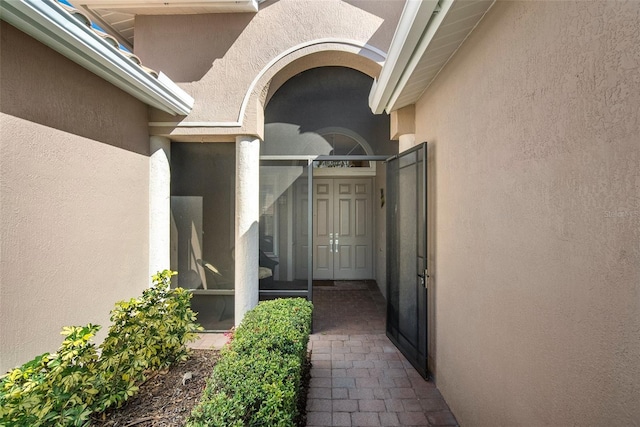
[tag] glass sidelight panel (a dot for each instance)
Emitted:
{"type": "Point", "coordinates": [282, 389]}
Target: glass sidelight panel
{"type": "Point", "coordinates": [284, 229]}
{"type": "Point", "coordinates": [202, 228]}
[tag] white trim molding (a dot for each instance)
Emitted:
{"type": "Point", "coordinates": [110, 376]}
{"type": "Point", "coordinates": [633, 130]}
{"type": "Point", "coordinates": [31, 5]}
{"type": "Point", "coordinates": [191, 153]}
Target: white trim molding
{"type": "Point", "coordinates": [174, 6]}
{"type": "Point", "coordinates": [51, 24]}
{"type": "Point", "coordinates": [414, 20]}
{"type": "Point", "coordinates": [359, 171]}
{"type": "Point", "coordinates": [427, 37]}
{"type": "Point", "coordinates": [365, 50]}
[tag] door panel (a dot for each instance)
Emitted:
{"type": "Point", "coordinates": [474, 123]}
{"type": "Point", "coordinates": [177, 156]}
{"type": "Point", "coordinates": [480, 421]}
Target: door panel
{"type": "Point", "coordinates": [344, 255]}
{"type": "Point", "coordinates": [323, 227]}
{"type": "Point", "coordinates": [324, 212]}
{"type": "Point", "coordinates": [361, 222]}
{"type": "Point", "coordinates": [407, 255]}
{"type": "Point", "coordinates": [343, 242]}
{"type": "Point", "coordinates": [344, 215]}
{"type": "Point", "coordinates": [361, 256]}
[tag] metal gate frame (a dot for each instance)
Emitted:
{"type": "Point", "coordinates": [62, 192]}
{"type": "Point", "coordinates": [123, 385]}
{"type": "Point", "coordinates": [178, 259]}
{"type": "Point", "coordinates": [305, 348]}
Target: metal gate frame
{"type": "Point", "coordinates": [415, 350]}
{"type": "Point", "coordinates": [308, 164]}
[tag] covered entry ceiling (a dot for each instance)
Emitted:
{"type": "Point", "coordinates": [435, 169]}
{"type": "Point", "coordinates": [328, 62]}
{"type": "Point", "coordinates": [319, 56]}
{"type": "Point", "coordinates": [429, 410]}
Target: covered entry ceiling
{"type": "Point", "coordinates": [322, 114]}
{"type": "Point", "coordinates": [318, 108]}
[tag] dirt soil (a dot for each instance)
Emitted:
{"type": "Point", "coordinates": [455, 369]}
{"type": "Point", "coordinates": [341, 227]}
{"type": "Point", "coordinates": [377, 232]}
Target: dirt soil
{"type": "Point", "coordinates": [163, 400]}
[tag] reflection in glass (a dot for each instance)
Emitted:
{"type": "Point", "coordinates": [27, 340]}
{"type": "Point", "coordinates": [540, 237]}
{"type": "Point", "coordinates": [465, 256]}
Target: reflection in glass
{"type": "Point", "coordinates": [283, 256]}
{"type": "Point", "coordinates": [343, 145]}
{"type": "Point", "coordinates": [202, 228]}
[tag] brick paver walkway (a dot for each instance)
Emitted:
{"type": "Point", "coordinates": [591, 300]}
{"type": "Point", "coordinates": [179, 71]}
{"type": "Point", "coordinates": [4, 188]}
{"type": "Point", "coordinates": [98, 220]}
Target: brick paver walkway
{"type": "Point", "coordinates": [358, 377]}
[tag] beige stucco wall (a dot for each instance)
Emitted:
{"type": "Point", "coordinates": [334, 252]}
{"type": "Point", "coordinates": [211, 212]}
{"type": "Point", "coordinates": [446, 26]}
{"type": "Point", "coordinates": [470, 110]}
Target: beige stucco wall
{"type": "Point", "coordinates": [73, 197]}
{"type": "Point", "coordinates": [218, 57]}
{"type": "Point", "coordinates": [534, 129]}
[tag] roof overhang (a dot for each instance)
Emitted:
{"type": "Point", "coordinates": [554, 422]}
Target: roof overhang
{"type": "Point", "coordinates": [428, 35]}
{"type": "Point", "coordinates": [51, 24]}
{"type": "Point", "coordinates": [118, 16]}
{"type": "Point", "coordinates": [173, 7]}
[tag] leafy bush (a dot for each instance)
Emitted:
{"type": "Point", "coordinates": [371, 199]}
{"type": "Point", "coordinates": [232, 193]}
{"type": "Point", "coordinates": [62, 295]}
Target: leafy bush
{"type": "Point", "coordinates": [65, 388]}
{"type": "Point", "coordinates": [54, 389]}
{"type": "Point", "coordinates": [256, 380]}
{"type": "Point", "coordinates": [147, 333]}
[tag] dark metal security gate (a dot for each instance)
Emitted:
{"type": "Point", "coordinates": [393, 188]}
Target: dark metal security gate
{"type": "Point", "coordinates": [407, 254]}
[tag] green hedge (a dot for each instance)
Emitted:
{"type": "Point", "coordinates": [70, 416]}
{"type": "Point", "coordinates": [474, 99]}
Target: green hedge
{"type": "Point", "coordinates": [257, 379]}
{"type": "Point", "coordinates": [66, 387]}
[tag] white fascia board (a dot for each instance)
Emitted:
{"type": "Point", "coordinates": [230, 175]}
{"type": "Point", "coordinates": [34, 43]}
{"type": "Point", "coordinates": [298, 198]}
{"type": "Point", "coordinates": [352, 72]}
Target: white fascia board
{"type": "Point", "coordinates": [49, 23]}
{"type": "Point", "coordinates": [430, 32]}
{"type": "Point", "coordinates": [415, 18]}
{"type": "Point", "coordinates": [140, 5]}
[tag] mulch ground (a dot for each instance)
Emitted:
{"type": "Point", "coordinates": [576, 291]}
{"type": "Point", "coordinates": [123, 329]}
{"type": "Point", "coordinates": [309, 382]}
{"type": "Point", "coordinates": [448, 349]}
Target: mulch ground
{"type": "Point", "coordinates": [163, 400]}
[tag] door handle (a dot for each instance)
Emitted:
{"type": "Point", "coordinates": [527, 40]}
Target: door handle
{"type": "Point", "coordinates": [423, 278]}
{"type": "Point", "coordinates": [336, 248]}
{"type": "Point", "coordinates": [331, 245]}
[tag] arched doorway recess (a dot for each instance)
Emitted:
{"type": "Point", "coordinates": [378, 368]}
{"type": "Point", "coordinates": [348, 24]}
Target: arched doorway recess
{"type": "Point", "coordinates": [321, 135]}
{"type": "Point", "coordinates": [218, 287]}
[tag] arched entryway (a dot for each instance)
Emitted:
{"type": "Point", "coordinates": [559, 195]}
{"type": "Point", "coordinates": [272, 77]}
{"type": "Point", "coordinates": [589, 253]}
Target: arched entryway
{"type": "Point", "coordinates": [317, 124]}
{"type": "Point", "coordinates": [321, 135]}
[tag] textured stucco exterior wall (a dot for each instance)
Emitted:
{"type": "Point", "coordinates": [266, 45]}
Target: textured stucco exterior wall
{"type": "Point", "coordinates": [216, 57]}
{"type": "Point", "coordinates": [534, 129]}
{"type": "Point", "coordinates": [73, 197]}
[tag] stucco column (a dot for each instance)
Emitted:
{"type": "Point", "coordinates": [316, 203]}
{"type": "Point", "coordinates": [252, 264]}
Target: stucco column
{"type": "Point", "coordinates": [159, 204]}
{"type": "Point", "coordinates": [247, 216]}
{"type": "Point", "coordinates": [406, 141]}
{"type": "Point", "coordinates": [403, 127]}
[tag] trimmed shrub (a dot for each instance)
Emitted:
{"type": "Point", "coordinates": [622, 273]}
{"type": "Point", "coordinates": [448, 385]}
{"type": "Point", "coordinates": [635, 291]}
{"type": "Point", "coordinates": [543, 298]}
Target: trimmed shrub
{"type": "Point", "coordinates": [65, 388]}
{"type": "Point", "coordinates": [256, 380]}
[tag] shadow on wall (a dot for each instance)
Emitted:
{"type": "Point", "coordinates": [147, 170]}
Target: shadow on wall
{"type": "Point", "coordinates": [328, 97]}
{"type": "Point", "coordinates": [69, 98]}
{"type": "Point", "coordinates": [172, 56]}
{"type": "Point", "coordinates": [390, 10]}
{"type": "Point", "coordinates": [286, 138]}
{"type": "Point", "coordinates": [266, 3]}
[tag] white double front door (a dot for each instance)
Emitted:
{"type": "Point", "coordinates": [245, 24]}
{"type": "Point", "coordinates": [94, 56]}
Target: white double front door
{"type": "Point", "coordinates": [343, 229]}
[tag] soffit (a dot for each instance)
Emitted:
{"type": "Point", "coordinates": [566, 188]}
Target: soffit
{"type": "Point", "coordinates": [460, 20]}
{"type": "Point", "coordinates": [86, 20]}
{"type": "Point", "coordinates": [71, 33]}
{"type": "Point", "coordinates": [118, 24]}
{"type": "Point", "coordinates": [118, 16]}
